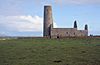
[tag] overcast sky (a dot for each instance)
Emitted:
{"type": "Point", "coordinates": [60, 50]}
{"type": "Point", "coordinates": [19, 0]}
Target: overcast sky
{"type": "Point", "coordinates": [25, 17]}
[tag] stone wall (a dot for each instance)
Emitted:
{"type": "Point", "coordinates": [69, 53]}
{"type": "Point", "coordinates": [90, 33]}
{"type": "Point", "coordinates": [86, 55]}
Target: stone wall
{"type": "Point", "coordinates": [67, 32]}
{"type": "Point", "coordinates": [62, 32]}
{"type": "Point", "coordinates": [82, 33]}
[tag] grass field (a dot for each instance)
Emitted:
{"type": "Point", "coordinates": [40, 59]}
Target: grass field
{"type": "Point", "coordinates": [38, 51]}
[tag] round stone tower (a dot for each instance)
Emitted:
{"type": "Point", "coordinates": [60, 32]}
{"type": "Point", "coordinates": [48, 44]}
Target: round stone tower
{"type": "Point", "coordinates": [48, 21]}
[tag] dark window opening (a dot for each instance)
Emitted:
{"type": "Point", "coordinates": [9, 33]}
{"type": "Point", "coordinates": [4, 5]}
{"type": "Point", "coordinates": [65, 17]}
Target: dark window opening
{"type": "Point", "coordinates": [57, 35]}
{"type": "Point", "coordinates": [74, 33]}
{"type": "Point", "coordinates": [66, 32]}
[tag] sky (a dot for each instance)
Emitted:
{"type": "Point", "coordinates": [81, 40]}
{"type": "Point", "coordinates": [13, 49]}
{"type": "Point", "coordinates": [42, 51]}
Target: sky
{"type": "Point", "coordinates": [25, 17]}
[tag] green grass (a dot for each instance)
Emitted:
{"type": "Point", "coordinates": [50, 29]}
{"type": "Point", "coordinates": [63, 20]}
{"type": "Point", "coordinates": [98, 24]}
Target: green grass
{"type": "Point", "coordinates": [38, 51]}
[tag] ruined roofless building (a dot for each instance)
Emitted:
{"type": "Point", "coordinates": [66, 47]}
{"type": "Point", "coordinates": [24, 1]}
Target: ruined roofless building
{"type": "Point", "coordinates": [49, 31]}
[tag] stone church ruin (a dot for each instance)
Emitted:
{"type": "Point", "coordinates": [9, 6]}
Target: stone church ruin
{"type": "Point", "coordinates": [49, 31]}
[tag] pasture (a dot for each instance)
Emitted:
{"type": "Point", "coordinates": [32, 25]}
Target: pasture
{"type": "Point", "coordinates": [41, 51]}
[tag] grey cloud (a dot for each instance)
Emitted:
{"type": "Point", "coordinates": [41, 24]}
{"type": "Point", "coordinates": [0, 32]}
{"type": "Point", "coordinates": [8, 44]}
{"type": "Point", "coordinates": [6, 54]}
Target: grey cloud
{"type": "Point", "coordinates": [14, 7]}
{"type": "Point", "coordinates": [77, 1]}
{"type": "Point", "coordinates": [61, 2]}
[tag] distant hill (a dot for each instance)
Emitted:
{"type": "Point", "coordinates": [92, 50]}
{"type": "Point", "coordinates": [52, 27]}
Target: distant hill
{"type": "Point", "coordinates": [3, 35]}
